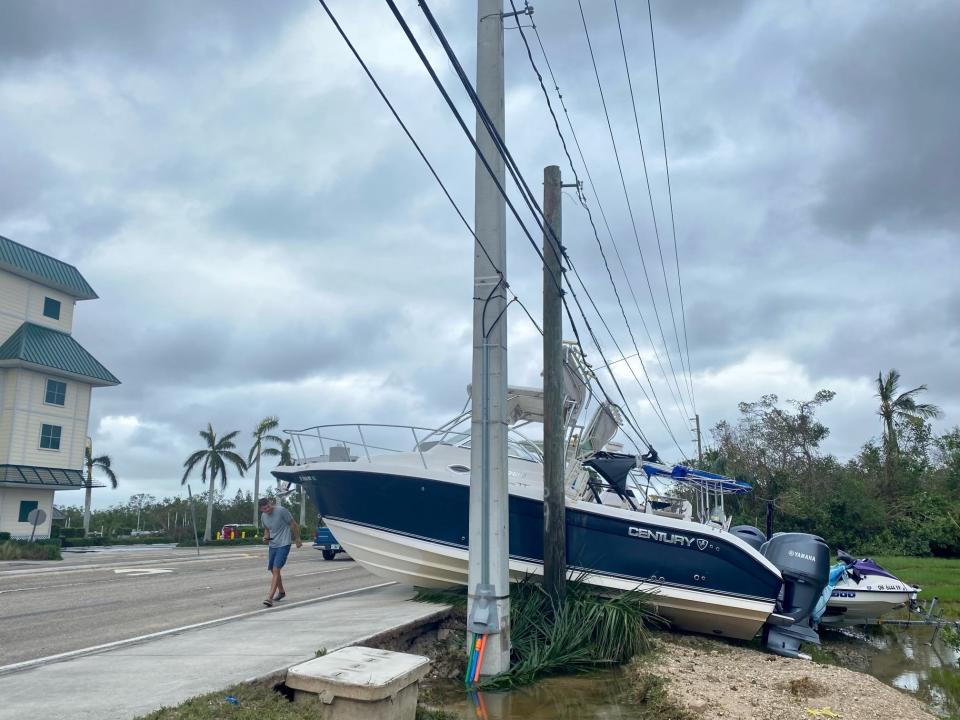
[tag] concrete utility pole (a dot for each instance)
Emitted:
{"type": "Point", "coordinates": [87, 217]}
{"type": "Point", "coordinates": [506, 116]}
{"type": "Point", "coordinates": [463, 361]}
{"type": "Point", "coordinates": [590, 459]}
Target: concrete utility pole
{"type": "Point", "coordinates": [488, 604]}
{"type": "Point", "coordinates": [554, 511]}
{"type": "Point", "coordinates": [696, 419]}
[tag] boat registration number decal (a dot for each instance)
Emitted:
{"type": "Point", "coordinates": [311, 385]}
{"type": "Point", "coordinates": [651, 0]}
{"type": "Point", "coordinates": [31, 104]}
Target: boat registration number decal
{"type": "Point", "coordinates": [671, 538]}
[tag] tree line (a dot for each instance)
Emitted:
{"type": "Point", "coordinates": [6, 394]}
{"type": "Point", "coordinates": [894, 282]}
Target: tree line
{"type": "Point", "coordinates": [899, 495]}
{"type": "Point", "coordinates": [214, 461]}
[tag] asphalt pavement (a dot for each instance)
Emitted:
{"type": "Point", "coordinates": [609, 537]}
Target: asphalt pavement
{"type": "Point", "coordinates": [96, 598]}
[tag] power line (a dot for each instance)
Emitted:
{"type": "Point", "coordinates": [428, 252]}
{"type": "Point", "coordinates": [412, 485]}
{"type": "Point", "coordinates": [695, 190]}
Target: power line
{"type": "Point", "coordinates": [673, 222]}
{"type": "Point", "coordinates": [586, 207]}
{"type": "Point", "coordinates": [515, 173]}
{"type": "Point", "coordinates": [606, 223]}
{"type": "Point", "coordinates": [525, 191]}
{"type": "Point", "coordinates": [646, 175]}
{"type": "Point", "coordinates": [626, 194]}
{"type": "Point", "coordinates": [423, 155]}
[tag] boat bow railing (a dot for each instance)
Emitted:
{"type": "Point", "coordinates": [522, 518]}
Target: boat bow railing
{"type": "Point", "coordinates": [353, 442]}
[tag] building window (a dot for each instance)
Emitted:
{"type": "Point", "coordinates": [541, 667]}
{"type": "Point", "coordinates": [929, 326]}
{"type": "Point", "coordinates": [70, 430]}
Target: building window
{"type": "Point", "coordinates": [51, 308]}
{"type": "Point", "coordinates": [56, 392]}
{"type": "Point", "coordinates": [50, 437]}
{"type": "Point", "coordinates": [26, 507]}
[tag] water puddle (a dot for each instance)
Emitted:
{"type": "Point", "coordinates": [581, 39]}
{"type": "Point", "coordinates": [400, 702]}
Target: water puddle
{"type": "Point", "coordinates": [899, 657]}
{"type": "Point", "coordinates": [602, 695]}
{"type": "Point", "coordinates": [904, 659]}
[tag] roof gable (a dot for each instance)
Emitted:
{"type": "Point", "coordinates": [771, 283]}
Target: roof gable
{"type": "Point", "coordinates": [33, 265]}
{"type": "Point", "coordinates": [47, 348]}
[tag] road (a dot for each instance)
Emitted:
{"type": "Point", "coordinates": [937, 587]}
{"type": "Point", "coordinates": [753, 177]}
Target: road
{"type": "Point", "coordinates": [99, 597]}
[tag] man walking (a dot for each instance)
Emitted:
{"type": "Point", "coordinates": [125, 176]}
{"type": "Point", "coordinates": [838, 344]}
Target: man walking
{"type": "Point", "coordinates": [278, 529]}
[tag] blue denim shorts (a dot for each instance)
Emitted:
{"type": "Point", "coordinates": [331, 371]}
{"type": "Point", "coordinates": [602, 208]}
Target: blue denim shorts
{"type": "Point", "coordinates": [277, 557]}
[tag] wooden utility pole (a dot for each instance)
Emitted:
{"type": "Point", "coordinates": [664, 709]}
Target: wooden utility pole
{"type": "Point", "coordinates": [554, 515]}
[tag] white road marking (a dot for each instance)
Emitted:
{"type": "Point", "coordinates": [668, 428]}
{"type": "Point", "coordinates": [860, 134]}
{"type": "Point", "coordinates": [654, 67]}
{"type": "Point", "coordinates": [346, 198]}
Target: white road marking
{"type": "Point", "coordinates": [102, 566]}
{"type": "Point", "coordinates": [324, 572]}
{"type": "Point", "coordinates": [5, 669]}
{"type": "Point", "coordinates": [137, 572]}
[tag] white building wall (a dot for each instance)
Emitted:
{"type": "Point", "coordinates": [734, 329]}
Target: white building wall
{"type": "Point", "coordinates": [6, 418]}
{"type": "Point", "coordinates": [10, 499]}
{"type": "Point", "coordinates": [22, 300]}
{"type": "Point", "coordinates": [24, 411]}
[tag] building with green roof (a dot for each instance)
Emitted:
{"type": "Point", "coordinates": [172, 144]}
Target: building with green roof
{"type": "Point", "coordinates": [46, 379]}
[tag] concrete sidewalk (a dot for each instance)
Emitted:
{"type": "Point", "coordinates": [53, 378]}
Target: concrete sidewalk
{"type": "Point", "coordinates": [131, 680]}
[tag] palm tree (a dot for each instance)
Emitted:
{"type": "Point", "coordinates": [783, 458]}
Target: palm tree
{"type": "Point", "coordinates": [101, 463]}
{"type": "Point", "coordinates": [894, 408]}
{"type": "Point", "coordinates": [286, 457]}
{"type": "Point", "coordinates": [215, 457]}
{"type": "Point", "coordinates": [261, 435]}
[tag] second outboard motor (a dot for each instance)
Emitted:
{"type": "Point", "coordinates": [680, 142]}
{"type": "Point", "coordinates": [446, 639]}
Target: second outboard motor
{"type": "Point", "coordinates": [750, 535]}
{"type": "Point", "coordinates": [804, 563]}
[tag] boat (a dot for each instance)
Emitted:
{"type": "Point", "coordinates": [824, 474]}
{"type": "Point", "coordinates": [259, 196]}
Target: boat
{"type": "Point", "coordinates": [861, 590]}
{"type": "Point", "coordinates": [402, 513]}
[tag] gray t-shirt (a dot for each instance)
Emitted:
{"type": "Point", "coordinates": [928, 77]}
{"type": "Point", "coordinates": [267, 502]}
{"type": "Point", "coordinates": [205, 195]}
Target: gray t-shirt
{"type": "Point", "coordinates": [278, 523]}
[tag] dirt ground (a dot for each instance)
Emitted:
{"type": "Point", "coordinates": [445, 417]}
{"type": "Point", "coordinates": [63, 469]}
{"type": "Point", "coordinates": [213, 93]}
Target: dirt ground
{"type": "Point", "coordinates": [710, 680]}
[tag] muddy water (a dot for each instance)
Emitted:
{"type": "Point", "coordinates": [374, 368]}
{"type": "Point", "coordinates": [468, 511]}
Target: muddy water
{"type": "Point", "coordinates": [905, 659]}
{"type": "Point", "coordinates": [596, 696]}
{"type": "Point", "coordinates": [902, 658]}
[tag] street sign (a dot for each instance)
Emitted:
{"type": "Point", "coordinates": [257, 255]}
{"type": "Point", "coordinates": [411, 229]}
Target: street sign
{"type": "Point", "coordinates": [36, 517]}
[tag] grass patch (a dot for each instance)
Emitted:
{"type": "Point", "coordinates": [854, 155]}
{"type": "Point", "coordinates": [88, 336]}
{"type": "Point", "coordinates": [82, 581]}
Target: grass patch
{"type": "Point", "coordinates": [254, 701]}
{"type": "Point", "coordinates": [454, 597]}
{"type": "Point", "coordinates": [805, 687]}
{"type": "Point", "coordinates": [939, 577]}
{"type": "Point", "coordinates": [589, 631]}
{"type": "Point", "coordinates": [434, 714]}
{"type": "Point", "coordinates": [258, 701]}
{"type": "Point", "coordinates": [26, 550]}
{"type": "Point", "coordinates": [950, 636]}
{"type": "Point", "coordinates": [653, 702]}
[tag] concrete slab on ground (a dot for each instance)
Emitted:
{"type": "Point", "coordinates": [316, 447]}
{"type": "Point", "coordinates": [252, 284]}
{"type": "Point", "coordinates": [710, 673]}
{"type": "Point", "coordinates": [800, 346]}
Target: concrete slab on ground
{"type": "Point", "coordinates": [131, 680]}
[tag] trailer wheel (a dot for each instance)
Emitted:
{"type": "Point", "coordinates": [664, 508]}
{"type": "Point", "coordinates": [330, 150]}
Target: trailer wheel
{"type": "Point", "coordinates": [329, 554]}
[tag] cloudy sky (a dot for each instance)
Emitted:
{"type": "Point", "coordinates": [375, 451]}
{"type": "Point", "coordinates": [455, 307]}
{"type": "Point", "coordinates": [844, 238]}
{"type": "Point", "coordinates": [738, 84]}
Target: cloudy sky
{"type": "Point", "coordinates": [264, 240]}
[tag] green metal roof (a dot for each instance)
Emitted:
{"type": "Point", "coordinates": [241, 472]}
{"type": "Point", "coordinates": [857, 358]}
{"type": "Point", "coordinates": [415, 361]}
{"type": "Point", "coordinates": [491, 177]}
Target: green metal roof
{"type": "Point", "coordinates": [47, 348]}
{"type": "Point", "coordinates": [33, 265]}
{"type": "Point", "coordinates": [48, 477]}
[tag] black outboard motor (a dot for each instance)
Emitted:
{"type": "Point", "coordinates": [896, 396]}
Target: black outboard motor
{"type": "Point", "coordinates": [750, 535]}
{"type": "Point", "coordinates": [804, 563]}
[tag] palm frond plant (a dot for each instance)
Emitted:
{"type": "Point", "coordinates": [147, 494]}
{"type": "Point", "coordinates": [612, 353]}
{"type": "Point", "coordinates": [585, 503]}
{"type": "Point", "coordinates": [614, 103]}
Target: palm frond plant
{"type": "Point", "coordinates": [212, 461]}
{"type": "Point", "coordinates": [587, 631]}
{"type": "Point", "coordinates": [91, 463]}
{"type": "Point", "coordinates": [263, 445]}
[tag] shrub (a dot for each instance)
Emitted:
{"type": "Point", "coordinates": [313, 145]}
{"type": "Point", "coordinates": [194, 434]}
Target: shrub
{"type": "Point", "coordinates": [26, 550]}
{"type": "Point", "coordinates": [586, 632]}
{"type": "Point", "coordinates": [4, 536]}
{"type": "Point", "coordinates": [95, 542]}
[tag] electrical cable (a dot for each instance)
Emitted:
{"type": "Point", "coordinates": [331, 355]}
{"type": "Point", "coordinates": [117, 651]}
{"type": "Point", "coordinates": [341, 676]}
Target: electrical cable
{"type": "Point", "coordinates": [516, 175]}
{"type": "Point", "coordinates": [423, 156]}
{"type": "Point", "coordinates": [673, 222]}
{"type": "Point", "coordinates": [606, 223]}
{"type": "Point", "coordinates": [653, 212]}
{"type": "Point", "coordinates": [582, 199]}
{"type": "Point", "coordinates": [626, 194]}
